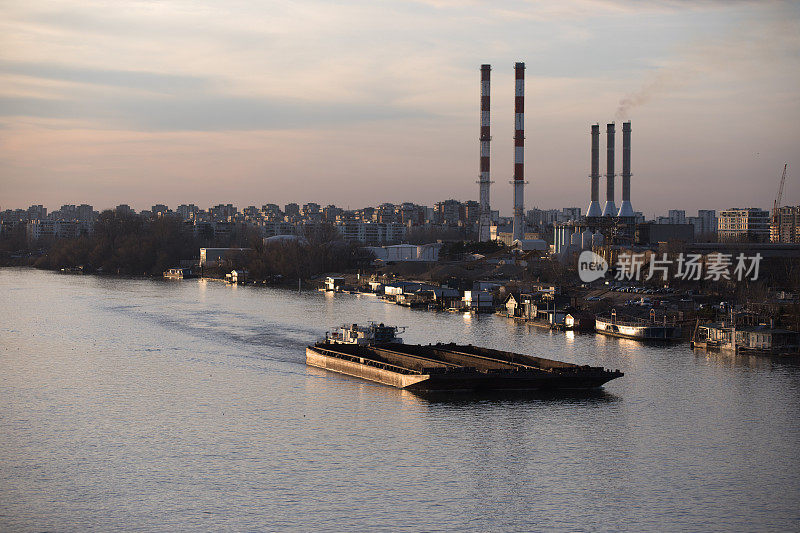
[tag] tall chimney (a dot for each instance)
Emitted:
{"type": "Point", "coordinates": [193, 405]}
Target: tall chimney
{"type": "Point", "coordinates": [486, 210]}
{"type": "Point", "coordinates": [519, 151]}
{"type": "Point", "coordinates": [626, 209]}
{"type": "Point", "coordinates": [594, 206]}
{"type": "Point", "coordinates": [610, 210]}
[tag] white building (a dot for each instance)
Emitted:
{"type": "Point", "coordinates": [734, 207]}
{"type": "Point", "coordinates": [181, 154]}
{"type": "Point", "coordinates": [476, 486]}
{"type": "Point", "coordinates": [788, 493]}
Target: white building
{"type": "Point", "coordinates": [407, 252]}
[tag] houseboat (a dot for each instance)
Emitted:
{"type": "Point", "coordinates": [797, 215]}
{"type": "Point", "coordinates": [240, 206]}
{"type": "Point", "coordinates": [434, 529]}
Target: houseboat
{"type": "Point", "coordinates": [759, 339]}
{"type": "Point", "coordinates": [637, 328]}
{"type": "Point", "coordinates": [375, 353]}
{"type": "Point", "coordinates": [179, 273]}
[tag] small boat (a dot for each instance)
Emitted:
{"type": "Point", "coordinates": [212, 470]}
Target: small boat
{"type": "Point", "coordinates": [375, 352]}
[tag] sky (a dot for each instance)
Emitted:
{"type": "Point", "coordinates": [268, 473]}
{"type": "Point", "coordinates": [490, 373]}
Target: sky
{"type": "Point", "coordinates": [355, 103]}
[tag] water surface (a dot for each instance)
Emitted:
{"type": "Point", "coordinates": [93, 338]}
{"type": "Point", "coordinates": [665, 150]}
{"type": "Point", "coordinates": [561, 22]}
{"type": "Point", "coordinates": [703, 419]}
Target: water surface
{"type": "Point", "coordinates": [155, 405]}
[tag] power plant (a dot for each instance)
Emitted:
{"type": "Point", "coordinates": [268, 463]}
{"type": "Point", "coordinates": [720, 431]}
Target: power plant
{"type": "Point", "coordinates": [598, 224]}
{"type": "Point", "coordinates": [611, 225]}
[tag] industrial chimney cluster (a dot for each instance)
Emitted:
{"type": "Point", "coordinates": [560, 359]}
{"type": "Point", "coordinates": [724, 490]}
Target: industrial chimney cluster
{"type": "Point", "coordinates": [519, 153]}
{"type": "Point", "coordinates": [610, 209]}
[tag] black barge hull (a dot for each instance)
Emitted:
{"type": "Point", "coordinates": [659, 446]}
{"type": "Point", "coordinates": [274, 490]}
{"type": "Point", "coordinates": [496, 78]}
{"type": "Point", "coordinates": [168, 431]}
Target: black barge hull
{"type": "Point", "coordinates": [454, 367]}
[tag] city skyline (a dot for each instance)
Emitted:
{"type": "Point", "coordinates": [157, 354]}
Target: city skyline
{"type": "Point", "coordinates": [356, 105]}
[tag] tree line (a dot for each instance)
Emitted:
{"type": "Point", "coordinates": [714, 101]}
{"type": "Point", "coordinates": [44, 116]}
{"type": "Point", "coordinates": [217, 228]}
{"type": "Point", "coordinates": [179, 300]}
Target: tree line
{"type": "Point", "coordinates": [129, 244]}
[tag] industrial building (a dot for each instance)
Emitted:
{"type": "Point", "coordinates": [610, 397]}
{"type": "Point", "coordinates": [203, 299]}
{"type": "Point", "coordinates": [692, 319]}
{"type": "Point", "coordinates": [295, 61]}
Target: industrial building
{"type": "Point", "coordinates": [407, 252]}
{"type": "Point", "coordinates": [650, 233]}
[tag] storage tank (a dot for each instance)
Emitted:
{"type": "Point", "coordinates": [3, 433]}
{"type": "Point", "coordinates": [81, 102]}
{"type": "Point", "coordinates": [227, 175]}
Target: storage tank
{"type": "Point", "coordinates": [597, 240]}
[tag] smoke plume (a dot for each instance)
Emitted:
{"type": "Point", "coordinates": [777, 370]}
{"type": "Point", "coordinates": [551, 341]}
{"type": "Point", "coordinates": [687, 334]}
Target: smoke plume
{"type": "Point", "coordinates": [664, 81]}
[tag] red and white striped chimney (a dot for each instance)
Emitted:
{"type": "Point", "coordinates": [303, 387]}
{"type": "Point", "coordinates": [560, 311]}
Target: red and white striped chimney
{"type": "Point", "coordinates": [519, 151]}
{"type": "Point", "coordinates": [486, 210]}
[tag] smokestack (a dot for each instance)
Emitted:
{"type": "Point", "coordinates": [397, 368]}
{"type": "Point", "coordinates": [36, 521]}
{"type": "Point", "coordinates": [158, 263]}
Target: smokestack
{"type": "Point", "coordinates": [485, 182]}
{"type": "Point", "coordinates": [594, 206]}
{"type": "Point", "coordinates": [610, 210]}
{"type": "Point", "coordinates": [519, 151]}
{"type": "Point", "coordinates": [626, 209]}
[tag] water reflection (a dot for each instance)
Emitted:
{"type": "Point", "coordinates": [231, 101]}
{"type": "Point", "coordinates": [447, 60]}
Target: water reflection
{"type": "Point", "coordinates": [461, 398]}
{"type": "Point", "coordinates": [729, 359]}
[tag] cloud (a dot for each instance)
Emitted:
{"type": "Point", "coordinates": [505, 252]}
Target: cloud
{"type": "Point", "coordinates": [199, 112]}
{"type": "Point", "coordinates": [756, 52]}
{"type": "Point", "coordinates": [129, 79]}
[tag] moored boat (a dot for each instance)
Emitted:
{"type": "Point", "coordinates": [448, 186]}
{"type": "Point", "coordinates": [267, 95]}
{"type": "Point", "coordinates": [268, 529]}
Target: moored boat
{"type": "Point", "coordinates": [637, 329]}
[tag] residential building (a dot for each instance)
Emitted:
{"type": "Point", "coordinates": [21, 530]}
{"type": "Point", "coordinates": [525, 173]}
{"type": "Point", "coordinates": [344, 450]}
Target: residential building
{"type": "Point", "coordinates": [375, 233]}
{"type": "Point", "coordinates": [57, 229]}
{"type": "Point", "coordinates": [785, 225]}
{"type": "Point", "coordinates": [291, 210]}
{"type": "Point", "coordinates": [676, 216]}
{"type": "Point", "coordinates": [705, 224]}
{"type": "Point", "coordinates": [37, 212]}
{"type": "Point", "coordinates": [448, 212]}
{"type": "Point", "coordinates": [188, 212]}
{"type": "Point", "coordinates": [749, 224]}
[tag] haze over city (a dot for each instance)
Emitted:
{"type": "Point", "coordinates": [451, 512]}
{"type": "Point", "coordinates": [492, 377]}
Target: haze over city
{"type": "Point", "coordinates": [360, 103]}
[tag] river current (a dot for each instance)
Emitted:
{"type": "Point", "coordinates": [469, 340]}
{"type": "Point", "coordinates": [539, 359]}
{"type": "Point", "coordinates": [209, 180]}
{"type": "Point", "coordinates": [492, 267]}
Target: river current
{"type": "Point", "coordinates": [151, 405]}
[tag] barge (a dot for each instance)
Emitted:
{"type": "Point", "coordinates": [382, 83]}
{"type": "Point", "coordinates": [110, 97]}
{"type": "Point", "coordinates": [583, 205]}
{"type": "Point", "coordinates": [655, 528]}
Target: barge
{"type": "Point", "coordinates": [375, 353]}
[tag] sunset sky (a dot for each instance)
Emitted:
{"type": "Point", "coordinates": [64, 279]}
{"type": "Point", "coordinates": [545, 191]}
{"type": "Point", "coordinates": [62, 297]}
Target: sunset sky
{"type": "Point", "coordinates": [358, 103]}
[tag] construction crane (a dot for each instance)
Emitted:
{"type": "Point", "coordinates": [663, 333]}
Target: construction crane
{"type": "Point", "coordinates": [779, 197]}
{"type": "Point", "coordinates": [775, 229]}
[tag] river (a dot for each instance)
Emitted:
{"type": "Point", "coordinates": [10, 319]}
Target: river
{"type": "Point", "coordinates": [150, 405]}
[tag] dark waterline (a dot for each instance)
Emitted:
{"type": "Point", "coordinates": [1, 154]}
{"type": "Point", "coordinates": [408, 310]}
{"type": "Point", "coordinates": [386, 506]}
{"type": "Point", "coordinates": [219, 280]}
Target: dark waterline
{"type": "Point", "coordinates": [150, 405]}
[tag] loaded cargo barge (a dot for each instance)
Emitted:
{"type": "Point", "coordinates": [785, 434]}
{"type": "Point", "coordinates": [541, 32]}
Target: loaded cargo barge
{"type": "Point", "coordinates": [376, 354]}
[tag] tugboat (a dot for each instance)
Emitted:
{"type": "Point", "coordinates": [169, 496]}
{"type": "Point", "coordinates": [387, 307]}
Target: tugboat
{"type": "Point", "coordinates": [374, 352]}
{"type": "Point", "coordinates": [363, 335]}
